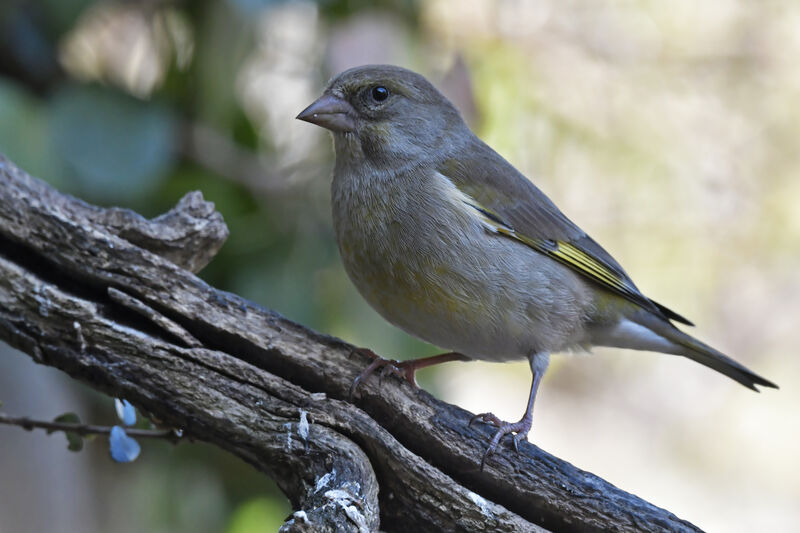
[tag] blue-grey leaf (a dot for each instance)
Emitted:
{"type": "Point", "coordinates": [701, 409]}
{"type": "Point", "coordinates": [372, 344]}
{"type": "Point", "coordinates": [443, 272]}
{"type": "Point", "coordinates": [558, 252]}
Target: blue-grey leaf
{"type": "Point", "coordinates": [125, 411]}
{"type": "Point", "coordinates": [123, 448]}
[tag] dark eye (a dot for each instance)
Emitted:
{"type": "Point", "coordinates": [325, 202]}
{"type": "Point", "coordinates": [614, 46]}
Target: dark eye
{"type": "Point", "coordinates": [379, 93]}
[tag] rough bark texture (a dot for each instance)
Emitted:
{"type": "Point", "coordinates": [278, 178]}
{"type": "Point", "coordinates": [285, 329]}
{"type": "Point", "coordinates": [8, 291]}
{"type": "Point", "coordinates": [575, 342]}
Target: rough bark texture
{"type": "Point", "coordinates": [107, 297]}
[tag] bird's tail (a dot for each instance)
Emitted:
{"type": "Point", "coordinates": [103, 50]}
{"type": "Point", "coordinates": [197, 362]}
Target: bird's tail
{"type": "Point", "coordinates": [688, 346]}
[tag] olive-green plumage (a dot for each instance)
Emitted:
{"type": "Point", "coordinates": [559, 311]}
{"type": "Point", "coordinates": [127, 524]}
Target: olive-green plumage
{"type": "Point", "coordinates": [448, 241]}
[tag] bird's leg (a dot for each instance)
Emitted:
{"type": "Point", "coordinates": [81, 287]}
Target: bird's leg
{"type": "Point", "coordinates": [404, 369]}
{"type": "Point", "coordinates": [521, 428]}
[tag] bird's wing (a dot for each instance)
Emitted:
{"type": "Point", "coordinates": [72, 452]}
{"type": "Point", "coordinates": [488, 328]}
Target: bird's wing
{"type": "Point", "coordinates": [510, 205]}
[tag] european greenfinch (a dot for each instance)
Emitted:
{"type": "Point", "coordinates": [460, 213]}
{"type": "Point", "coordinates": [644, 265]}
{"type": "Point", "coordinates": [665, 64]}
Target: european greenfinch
{"type": "Point", "coordinates": [449, 242]}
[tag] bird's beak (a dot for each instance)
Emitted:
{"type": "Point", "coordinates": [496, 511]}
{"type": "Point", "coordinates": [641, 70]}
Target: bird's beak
{"type": "Point", "coordinates": [330, 112]}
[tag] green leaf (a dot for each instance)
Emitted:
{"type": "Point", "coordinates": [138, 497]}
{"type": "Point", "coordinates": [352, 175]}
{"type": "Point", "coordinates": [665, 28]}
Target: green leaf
{"type": "Point", "coordinates": [75, 441]}
{"type": "Point", "coordinates": [66, 418]}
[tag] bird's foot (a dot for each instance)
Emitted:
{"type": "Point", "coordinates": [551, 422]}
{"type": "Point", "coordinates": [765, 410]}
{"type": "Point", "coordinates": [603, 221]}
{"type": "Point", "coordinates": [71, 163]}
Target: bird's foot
{"type": "Point", "coordinates": [402, 369]}
{"type": "Point", "coordinates": [517, 430]}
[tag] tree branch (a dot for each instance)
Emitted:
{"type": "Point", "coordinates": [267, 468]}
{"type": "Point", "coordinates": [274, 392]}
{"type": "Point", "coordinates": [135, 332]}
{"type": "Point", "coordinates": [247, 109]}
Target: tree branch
{"type": "Point", "coordinates": [103, 304]}
{"type": "Point", "coordinates": [85, 429]}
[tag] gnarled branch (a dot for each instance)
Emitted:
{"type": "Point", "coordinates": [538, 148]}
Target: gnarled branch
{"type": "Point", "coordinates": [102, 295]}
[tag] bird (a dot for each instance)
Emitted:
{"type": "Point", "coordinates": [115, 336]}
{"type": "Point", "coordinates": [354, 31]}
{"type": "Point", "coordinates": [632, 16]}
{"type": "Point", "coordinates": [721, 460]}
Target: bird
{"type": "Point", "coordinates": [448, 241]}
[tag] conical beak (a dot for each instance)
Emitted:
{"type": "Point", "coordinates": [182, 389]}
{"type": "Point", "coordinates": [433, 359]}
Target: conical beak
{"type": "Point", "coordinates": [330, 112]}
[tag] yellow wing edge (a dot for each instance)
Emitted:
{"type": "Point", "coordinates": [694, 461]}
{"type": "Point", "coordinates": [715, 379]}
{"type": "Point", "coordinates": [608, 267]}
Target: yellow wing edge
{"type": "Point", "coordinates": [570, 256]}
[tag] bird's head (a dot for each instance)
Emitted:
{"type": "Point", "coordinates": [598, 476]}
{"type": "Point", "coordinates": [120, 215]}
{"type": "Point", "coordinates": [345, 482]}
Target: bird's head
{"type": "Point", "coordinates": [385, 116]}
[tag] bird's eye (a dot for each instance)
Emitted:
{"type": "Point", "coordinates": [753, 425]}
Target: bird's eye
{"type": "Point", "coordinates": [379, 93]}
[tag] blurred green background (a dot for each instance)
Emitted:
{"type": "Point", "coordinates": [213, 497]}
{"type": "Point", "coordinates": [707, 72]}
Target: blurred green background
{"type": "Point", "coordinates": [668, 130]}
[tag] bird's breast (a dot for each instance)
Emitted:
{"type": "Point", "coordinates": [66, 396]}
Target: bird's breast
{"type": "Point", "coordinates": [419, 255]}
{"type": "Point", "coordinates": [390, 245]}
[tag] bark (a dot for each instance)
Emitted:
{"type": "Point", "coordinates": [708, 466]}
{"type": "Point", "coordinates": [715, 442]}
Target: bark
{"type": "Point", "coordinates": [108, 297]}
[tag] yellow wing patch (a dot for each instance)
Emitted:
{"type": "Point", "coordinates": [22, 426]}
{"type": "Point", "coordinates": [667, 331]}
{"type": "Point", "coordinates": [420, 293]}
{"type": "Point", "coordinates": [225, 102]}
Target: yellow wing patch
{"type": "Point", "coordinates": [567, 254]}
{"type": "Point", "coordinates": [580, 260]}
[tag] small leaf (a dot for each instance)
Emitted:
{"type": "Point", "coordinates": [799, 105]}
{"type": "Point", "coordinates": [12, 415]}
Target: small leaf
{"type": "Point", "coordinates": [66, 418]}
{"type": "Point", "coordinates": [75, 441]}
{"type": "Point", "coordinates": [125, 411]}
{"type": "Point", "coordinates": [123, 448]}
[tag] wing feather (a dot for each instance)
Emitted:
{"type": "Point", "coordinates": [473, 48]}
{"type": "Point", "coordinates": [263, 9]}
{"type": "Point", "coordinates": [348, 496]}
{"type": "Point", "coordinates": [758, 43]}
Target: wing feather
{"type": "Point", "coordinates": [513, 206]}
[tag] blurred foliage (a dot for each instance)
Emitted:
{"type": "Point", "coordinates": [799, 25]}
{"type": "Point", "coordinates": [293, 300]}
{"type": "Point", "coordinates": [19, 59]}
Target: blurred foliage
{"type": "Point", "coordinates": [124, 148]}
{"type": "Point", "coordinates": [667, 129]}
{"type": "Point", "coordinates": [258, 515]}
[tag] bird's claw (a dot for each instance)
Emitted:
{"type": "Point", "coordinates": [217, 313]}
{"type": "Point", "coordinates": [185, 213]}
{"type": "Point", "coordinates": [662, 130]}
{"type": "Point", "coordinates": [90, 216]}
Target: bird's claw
{"type": "Point", "coordinates": [489, 418]}
{"type": "Point", "coordinates": [517, 430]}
{"type": "Point", "coordinates": [402, 369]}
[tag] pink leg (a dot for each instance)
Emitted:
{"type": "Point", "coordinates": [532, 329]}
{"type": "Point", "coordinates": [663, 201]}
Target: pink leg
{"type": "Point", "coordinates": [404, 369]}
{"type": "Point", "coordinates": [521, 428]}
